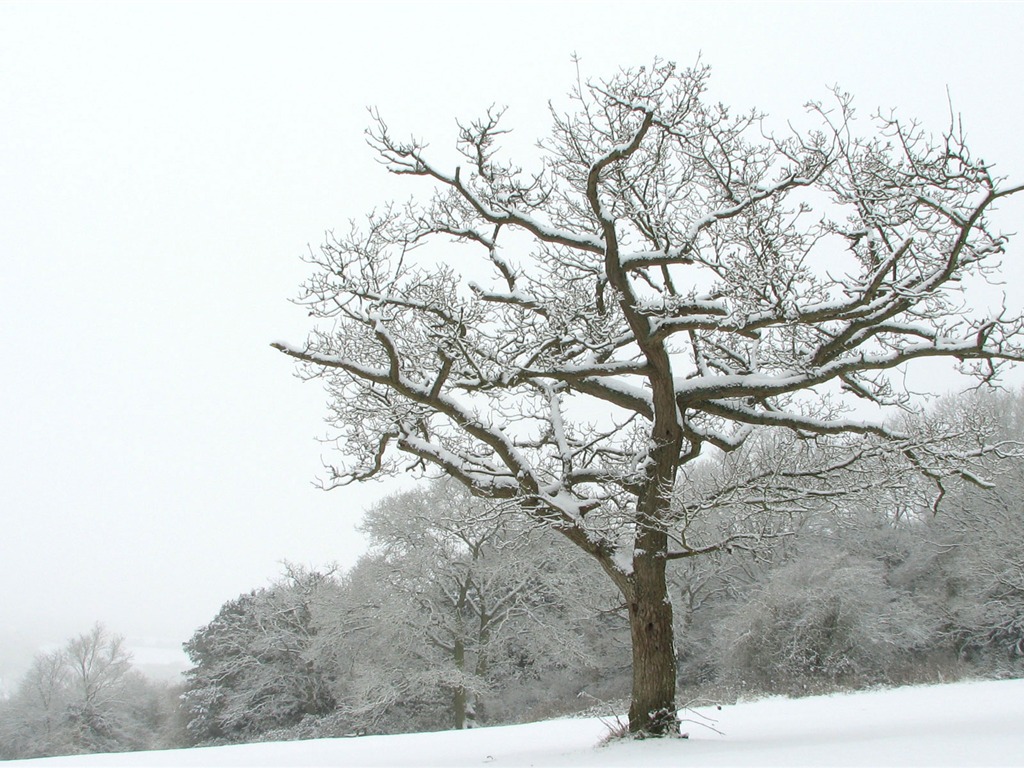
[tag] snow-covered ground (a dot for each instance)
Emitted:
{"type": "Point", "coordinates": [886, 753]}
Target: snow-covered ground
{"type": "Point", "coordinates": [961, 724]}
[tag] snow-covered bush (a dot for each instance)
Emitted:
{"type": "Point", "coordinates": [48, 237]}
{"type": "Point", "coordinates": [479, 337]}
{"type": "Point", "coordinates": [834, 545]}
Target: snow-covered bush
{"type": "Point", "coordinates": [827, 618]}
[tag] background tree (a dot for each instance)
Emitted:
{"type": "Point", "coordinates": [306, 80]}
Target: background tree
{"type": "Point", "coordinates": [98, 667]}
{"type": "Point", "coordinates": [666, 278]}
{"type": "Point", "coordinates": [256, 665]}
{"type": "Point", "coordinates": [967, 561]}
{"type": "Point", "coordinates": [33, 722]}
{"type": "Point", "coordinates": [84, 697]}
{"type": "Point", "coordinates": [825, 619]}
{"type": "Point", "coordinates": [882, 585]}
{"type": "Point", "coordinates": [456, 599]}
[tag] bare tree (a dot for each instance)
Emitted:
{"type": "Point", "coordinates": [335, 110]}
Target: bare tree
{"type": "Point", "coordinates": [667, 278]}
{"type": "Point", "coordinates": [456, 593]}
{"type": "Point", "coordinates": [98, 667]}
{"type": "Point", "coordinates": [33, 722]}
{"type": "Point", "coordinates": [970, 557]}
{"type": "Point", "coordinates": [85, 697]}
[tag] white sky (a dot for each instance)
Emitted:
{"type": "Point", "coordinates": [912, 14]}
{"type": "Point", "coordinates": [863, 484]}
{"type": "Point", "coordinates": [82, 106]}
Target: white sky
{"type": "Point", "coordinates": [163, 168]}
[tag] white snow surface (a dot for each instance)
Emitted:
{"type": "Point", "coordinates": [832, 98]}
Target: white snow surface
{"type": "Point", "coordinates": [960, 724]}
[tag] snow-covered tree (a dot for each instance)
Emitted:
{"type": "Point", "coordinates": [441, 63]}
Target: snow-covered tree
{"type": "Point", "coordinates": [986, 585]}
{"type": "Point", "coordinates": [84, 697]}
{"type": "Point", "coordinates": [667, 277]}
{"type": "Point", "coordinates": [827, 616]}
{"type": "Point", "coordinates": [32, 721]}
{"type": "Point", "coordinates": [456, 597]}
{"type": "Point", "coordinates": [256, 665]}
{"type": "Point", "coordinates": [968, 559]}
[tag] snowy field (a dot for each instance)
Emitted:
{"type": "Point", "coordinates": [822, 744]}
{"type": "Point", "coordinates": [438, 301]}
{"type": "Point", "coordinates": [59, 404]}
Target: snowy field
{"type": "Point", "coordinates": [961, 724]}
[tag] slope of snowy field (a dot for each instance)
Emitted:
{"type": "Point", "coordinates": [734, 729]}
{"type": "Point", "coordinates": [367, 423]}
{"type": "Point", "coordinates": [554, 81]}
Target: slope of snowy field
{"type": "Point", "coordinates": [962, 724]}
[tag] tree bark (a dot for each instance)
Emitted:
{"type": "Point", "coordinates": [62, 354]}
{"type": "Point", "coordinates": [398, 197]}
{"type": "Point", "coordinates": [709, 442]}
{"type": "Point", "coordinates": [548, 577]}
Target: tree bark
{"type": "Point", "coordinates": [653, 708]}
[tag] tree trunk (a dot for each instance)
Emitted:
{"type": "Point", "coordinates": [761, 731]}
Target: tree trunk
{"type": "Point", "coordinates": [459, 700]}
{"type": "Point", "coordinates": [475, 709]}
{"type": "Point", "coordinates": [459, 696]}
{"type": "Point", "coordinates": [653, 708]}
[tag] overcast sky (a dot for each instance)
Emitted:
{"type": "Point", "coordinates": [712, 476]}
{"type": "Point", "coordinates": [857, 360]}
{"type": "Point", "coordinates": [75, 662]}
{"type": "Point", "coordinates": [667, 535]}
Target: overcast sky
{"type": "Point", "coordinates": [164, 167]}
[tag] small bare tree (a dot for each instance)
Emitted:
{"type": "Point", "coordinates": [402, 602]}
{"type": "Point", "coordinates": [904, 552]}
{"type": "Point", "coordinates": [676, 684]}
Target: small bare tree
{"type": "Point", "coordinates": [667, 278]}
{"type": "Point", "coordinates": [84, 697]}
